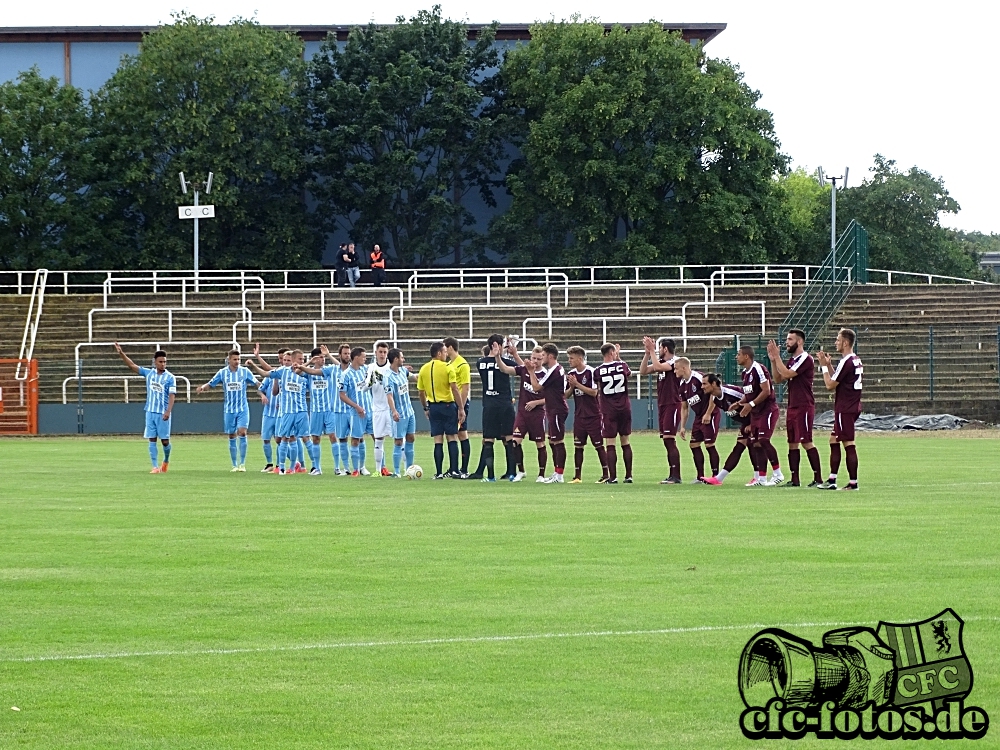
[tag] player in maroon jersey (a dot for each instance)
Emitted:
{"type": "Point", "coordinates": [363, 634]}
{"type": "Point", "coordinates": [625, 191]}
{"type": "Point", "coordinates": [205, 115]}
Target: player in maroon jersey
{"type": "Point", "coordinates": [728, 398]}
{"type": "Point", "coordinates": [550, 383]}
{"type": "Point", "coordinates": [586, 414]}
{"type": "Point", "coordinates": [530, 419]}
{"type": "Point", "coordinates": [845, 382]}
{"type": "Point", "coordinates": [760, 406]}
{"type": "Point", "coordinates": [611, 379]}
{"type": "Point", "coordinates": [668, 399]}
{"type": "Point", "coordinates": [801, 410]}
{"type": "Point", "coordinates": [705, 428]}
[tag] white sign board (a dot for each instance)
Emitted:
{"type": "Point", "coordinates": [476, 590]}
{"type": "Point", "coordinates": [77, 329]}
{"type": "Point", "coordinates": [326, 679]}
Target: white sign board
{"type": "Point", "coordinates": [196, 212]}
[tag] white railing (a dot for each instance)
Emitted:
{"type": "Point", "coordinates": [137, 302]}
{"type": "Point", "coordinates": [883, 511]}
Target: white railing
{"type": "Point", "coordinates": [470, 308]}
{"type": "Point", "coordinates": [628, 287]}
{"type": "Point", "coordinates": [163, 284]}
{"type": "Point", "coordinates": [123, 378]}
{"type": "Point", "coordinates": [475, 345]}
{"type": "Point", "coordinates": [740, 274]}
{"type": "Point", "coordinates": [32, 319]}
{"type": "Point", "coordinates": [604, 322]}
{"type": "Point", "coordinates": [155, 344]}
{"type": "Point", "coordinates": [311, 322]}
{"type": "Point", "coordinates": [395, 291]}
{"type": "Point", "coordinates": [168, 310]}
{"type": "Point", "coordinates": [931, 278]}
{"type": "Point", "coordinates": [735, 303]}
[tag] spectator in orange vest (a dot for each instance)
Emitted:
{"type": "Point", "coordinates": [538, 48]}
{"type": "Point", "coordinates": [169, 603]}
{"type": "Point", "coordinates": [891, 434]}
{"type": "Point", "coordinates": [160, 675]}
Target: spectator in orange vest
{"type": "Point", "coordinates": [378, 266]}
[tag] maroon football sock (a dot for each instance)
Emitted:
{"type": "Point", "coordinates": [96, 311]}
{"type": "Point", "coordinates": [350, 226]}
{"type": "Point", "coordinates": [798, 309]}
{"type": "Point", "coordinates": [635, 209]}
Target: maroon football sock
{"type": "Point", "coordinates": [713, 458]}
{"type": "Point", "coordinates": [627, 458]}
{"type": "Point", "coordinates": [814, 461]}
{"type": "Point", "coordinates": [771, 452]}
{"type": "Point", "coordinates": [758, 458]}
{"type": "Point", "coordinates": [734, 457]}
{"type": "Point", "coordinates": [578, 460]}
{"type": "Point", "coordinates": [852, 462]}
{"type": "Point", "coordinates": [559, 457]}
{"type": "Point", "coordinates": [602, 455]}
{"type": "Point", "coordinates": [793, 463]}
{"type": "Point", "coordinates": [699, 461]}
{"type": "Point", "coordinates": [673, 457]}
{"type": "Point", "coordinates": [834, 459]}
{"type": "Point", "coordinates": [519, 456]}
{"type": "Point", "coordinates": [612, 462]}
{"type": "Point", "coordinates": [543, 459]}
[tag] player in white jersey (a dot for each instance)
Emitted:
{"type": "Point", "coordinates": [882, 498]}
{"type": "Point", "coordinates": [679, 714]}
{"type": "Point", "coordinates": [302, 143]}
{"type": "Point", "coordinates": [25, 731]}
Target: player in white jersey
{"type": "Point", "coordinates": [377, 384]}
{"type": "Point", "coordinates": [404, 420]}
{"type": "Point", "coordinates": [235, 411]}
{"type": "Point", "coordinates": [161, 390]}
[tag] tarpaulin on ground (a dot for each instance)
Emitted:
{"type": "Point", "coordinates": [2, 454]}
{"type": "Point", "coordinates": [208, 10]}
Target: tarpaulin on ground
{"type": "Point", "coordinates": [895, 423]}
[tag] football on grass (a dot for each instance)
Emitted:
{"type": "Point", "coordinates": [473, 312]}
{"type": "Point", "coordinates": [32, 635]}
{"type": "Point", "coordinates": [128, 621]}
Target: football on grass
{"type": "Point", "coordinates": [414, 472]}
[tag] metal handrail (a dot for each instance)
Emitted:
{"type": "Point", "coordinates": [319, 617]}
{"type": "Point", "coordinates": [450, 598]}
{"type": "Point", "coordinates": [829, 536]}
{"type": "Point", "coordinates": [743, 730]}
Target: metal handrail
{"type": "Point", "coordinates": [470, 308]}
{"type": "Point", "coordinates": [35, 306]}
{"type": "Point", "coordinates": [250, 323]}
{"type": "Point", "coordinates": [322, 293]}
{"type": "Point", "coordinates": [123, 378]}
{"type": "Point", "coordinates": [628, 286]}
{"type": "Point", "coordinates": [766, 273]}
{"type": "Point", "coordinates": [156, 344]}
{"type": "Point", "coordinates": [170, 315]}
{"type": "Point", "coordinates": [735, 303]}
{"type": "Point", "coordinates": [107, 286]}
{"type": "Point", "coordinates": [585, 319]}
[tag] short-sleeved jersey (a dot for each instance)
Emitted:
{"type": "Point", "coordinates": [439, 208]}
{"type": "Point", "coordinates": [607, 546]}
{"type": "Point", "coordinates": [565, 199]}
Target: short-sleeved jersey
{"type": "Point", "coordinates": [159, 386]}
{"type": "Point", "coordinates": [553, 382]}
{"type": "Point", "coordinates": [690, 391]}
{"type": "Point", "coordinates": [586, 408]}
{"type": "Point", "coordinates": [435, 379]}
{"type": "Point", "coordinates": [351, 383]}
{"type": "Point", "coordinates": [271, 407]}
{"type": "Point", "coordinates": [526, 394]}
{"type": "Point", "coordinates": [323, 390]}
{"type": "Point", "coordinates": [800, 388]}
{"type": "Point", "coordinates": [399, 386]}
{"type": "Point", "coordinates": [292, 389]}
{"type": "Point", "coordinates": [754, 377]}
{"type": "Point", "coordinates": [611, 380]}
{"type": "Point", "coordinates": [234, 385]}
{"type": "Point", "coordinates": [339, 407]}
{"type": "Point", "coordinates": [668, 389]}
{"type": "Point", "coordinates": [377, 385]}
{"type": "Point", "coordinates": [847, 397]}
{"type": "Point", "coordinates": [496, 383]}
{"type": "Point", "coordinates": [731, 395]}
{"type": "Point", "coordinates": [463, 375]}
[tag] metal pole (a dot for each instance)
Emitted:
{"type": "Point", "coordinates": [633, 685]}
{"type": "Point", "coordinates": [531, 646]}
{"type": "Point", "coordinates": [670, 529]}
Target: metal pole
{"type": "Point", "coordinates": [79, 393]}
{"type": "Point", "coordinates": [196, 243]}
{"type": "Point", "coordinates": [930, 352]}
{"type": "Point", "coordinates": [833, 226]}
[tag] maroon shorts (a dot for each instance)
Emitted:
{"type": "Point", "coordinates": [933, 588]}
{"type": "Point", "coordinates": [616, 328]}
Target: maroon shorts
{"type": "Point", "coordinates": [706, 433]}
{"type": "Point", "coordinates": [617, 422]}
{"type": "Point", "coordinates": [843, 425]}
{"type": "Point", "coordinates": [670, 419]}
{"type": "Point", "coordinates": [588, 428]}
{"type": "Point", "coordinates": [530, 424]}
{"type": "Point", "coordinates": [762, 425]}
{"type": "Point", "coordinates": [799, 424]}
{"type": "Point", "coordinates": [557, 426]}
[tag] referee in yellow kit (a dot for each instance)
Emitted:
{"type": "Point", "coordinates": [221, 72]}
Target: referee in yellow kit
{"type": "Point", "coordinates": [463, 379]}
{"type": "Point", "coordinates": [443, 406]}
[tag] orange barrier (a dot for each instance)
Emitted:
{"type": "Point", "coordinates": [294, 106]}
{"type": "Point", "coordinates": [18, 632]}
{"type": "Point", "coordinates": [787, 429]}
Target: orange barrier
{"type": "Point", "coordinates": [18, 397]}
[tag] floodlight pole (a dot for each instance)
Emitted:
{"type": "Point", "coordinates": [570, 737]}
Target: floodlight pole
{"type": "Point", "coordinates": [833, 228]}
{"type": "Point", "coordinates": [196, 186]}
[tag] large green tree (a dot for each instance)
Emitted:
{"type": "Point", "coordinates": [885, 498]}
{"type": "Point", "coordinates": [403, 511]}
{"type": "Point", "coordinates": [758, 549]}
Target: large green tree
{"type": "Point", "coordinates": [404, 134]}
{"type": "Point", "coordinates": [46, 163]}
{"type": "Point", "coordinates": [636, 148]}
{"type": "Point", "coordinates": [201, 97]}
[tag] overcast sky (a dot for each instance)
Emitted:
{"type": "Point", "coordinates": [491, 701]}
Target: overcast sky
{"type": "Point", "coordinates": [915, 81]}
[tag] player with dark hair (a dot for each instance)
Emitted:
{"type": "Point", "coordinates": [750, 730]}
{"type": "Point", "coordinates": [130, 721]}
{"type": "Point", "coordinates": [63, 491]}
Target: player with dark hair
{"type": "Point", "coordinates": [342, 412]}
{"type": "Point", "coordinates": [463, 378]}
{"type": "Point", "coordinates": [845, 382]}
{"type": "Point", "coordinates": [611, 380]}
{"type": "Point", "coordinates": [444, 408]}
{"type": "Point", "coordinates": [235, 409]}
{"type": "Point", "coordinates": [706, 417]}
{"type": "Point", "coordinates": [759, 404]}
{"type": "Point", "coordinates": [377, 385]}
{"type": "Point", "coordinates": [161, 391]}
{"type": "Point", "coordinates": [586, 413]}
{"type": "Point", "coordinates": [729, 398]}
{"type": "Point", "coordinates": [551, 384]}
{"type": "Point", "coordinates": [498, 411]}
{"type": "Point", "coordinates": [800, 413]}
{"type": "Point", "coordinates": [323, 392]}
{"type": "Point", "coordinates": [668, 399]}
{"type": "Point", "coordinates": [269, 413]}
{"type": "Point", "coordinates": [404, 420]}
{"type": "Point", "coordinates": [293, 411]}
{"type": "Point", "coordinates": [530, 418]}
{"type": "Point", "coordinates": [360, 401]}
{"type": "Point", "coordinates": [269, 390]}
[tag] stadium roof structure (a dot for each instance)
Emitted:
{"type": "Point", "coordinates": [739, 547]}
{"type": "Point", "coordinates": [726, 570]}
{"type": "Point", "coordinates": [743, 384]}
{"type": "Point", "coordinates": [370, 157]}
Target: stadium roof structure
{"type": "Point", "coordinates": [702, 32]}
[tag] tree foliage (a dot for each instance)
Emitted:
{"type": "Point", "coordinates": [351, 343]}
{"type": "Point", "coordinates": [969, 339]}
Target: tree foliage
{"type": "Point", "coordinates": [402, 136]}
{"type": "Point", "coordinates": [197, 98]}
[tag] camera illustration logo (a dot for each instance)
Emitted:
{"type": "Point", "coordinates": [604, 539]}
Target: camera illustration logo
{"type": "Point", "coordinates": [898, 681]}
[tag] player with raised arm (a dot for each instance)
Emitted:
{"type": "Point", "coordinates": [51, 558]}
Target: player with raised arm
{"type": "Point", "coordinates": [463, 379]}
{"type": "Point", "coordinates": [800, 413]}
{"type": "Point", "coordinates": [161, 391]}
{"type": "Point", "coordinates": [586, 413]}
{"type": "Point", "coordinates": [705, 428]}
{"type": "Point", "coordinates": [760, 405]}
{"type": "Point", "coordinates": [342, 412]}
{"type": "Point", "coordinates": [235, 410]}
{"type": "Point", "coordinates": [377, 384]}
{"type": "Point", "coordinates": [270, 397]}
{"type": "Point", "coordinates": [845, 382]}
{"type": "Point", "coordinates": [550, 383]}
{"type": "Point", "coordinates": [729, 398]}
{"type": "Point", "coordinates": [323, 390]}
{"type": "Point", "coordinates": [293, 411]}
{"type": "Point", "coordinates": [360, 401]}
{"type": "Point", "coordinates": [404, 420]}
{"type": "Point", "coordinates": [668, 399]}
{"type": "Point", "coordinates": [530, 418]}
{"type": "Point", "coordinates": [611, 380]}
{"type": "Point", "coordinates": [498, 411]}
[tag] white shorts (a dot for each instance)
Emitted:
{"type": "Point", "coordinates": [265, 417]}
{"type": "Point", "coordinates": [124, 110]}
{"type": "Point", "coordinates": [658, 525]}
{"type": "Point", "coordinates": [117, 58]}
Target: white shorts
{"type": "Point", "coordinates": [381, 423]}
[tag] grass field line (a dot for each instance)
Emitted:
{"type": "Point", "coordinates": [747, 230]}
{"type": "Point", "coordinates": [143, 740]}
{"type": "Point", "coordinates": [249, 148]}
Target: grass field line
{"type": "Point", "coordinates": [436, 641]}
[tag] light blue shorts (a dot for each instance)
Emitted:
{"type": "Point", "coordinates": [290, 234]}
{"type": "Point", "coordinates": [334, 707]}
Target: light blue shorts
{"type": "Point", "coordinates": [405, 426]}
{"type": "Point", "coordinates": [322, 423]}
{"type": "Point", "coordinates": [294, 425]}
{"type": "Point", "coordinates": [361, 427]}
{"type": "Point", "coordinates": [343, 422]}
{"type": "Point", "coordinates": [267, 425]}
{"type": "Point", "coordinates": [232, 421]}
{"type": "Point", "coordinates": [156, 427]}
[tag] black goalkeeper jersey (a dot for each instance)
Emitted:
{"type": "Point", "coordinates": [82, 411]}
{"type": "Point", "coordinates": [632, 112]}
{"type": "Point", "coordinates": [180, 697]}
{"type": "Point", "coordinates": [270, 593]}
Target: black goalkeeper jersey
{"type": "Point", "coordinates": [496, 383]}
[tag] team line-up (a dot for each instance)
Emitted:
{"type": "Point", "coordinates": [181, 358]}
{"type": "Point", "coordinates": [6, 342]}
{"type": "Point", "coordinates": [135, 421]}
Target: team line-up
{"type": "Point", "coordinates": [346, 398]}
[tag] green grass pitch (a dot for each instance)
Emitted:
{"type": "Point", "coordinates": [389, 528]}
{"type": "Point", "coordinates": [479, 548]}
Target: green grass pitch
{"type": "Point", "coordinates": [203, 609]}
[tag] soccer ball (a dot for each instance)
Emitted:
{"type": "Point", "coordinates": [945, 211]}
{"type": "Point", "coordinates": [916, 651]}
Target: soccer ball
{"type": "Point", "coordinates": [414, 472]}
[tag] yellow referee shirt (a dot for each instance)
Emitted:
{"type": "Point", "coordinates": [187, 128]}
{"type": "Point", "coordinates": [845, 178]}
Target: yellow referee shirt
{"type": "Point", "coordinates": [435, 379]}
{"type": "Point", "coordinates": [463, 375]}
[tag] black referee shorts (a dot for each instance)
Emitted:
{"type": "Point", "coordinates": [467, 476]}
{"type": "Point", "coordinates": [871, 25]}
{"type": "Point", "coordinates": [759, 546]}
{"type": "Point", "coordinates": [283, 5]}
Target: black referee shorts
{"type": "Point", "coordinates": [498, 418]}
{"type": "Point", "coordinates": [444, 418]}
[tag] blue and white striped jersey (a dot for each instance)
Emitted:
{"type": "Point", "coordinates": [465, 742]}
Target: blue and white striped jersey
{"type": "Point", "coordinates": [323, 389]}
{"type": "Point", "coordinates": [339, 407]}
{"type": "Point", "coordinates": [399, 382]}
{"type": "Point", "coordinates": [234, 383]}
{"type": "Point", "coordinates": [351, 381]}
{"type": "Point", "coordinates": [159, 386]}
{"type": "Point", "coordinates": [271, 407]}
{"type": "Point", "coordinates": [293, 387]}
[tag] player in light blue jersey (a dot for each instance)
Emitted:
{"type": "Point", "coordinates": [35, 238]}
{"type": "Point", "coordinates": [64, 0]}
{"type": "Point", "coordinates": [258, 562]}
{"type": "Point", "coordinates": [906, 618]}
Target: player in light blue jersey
{"type": "Point", "coordinates": [270, 400]}
{"type": "Point", "coordinates": [293, 411]}
{"type": "Point", "coordinates": [342, 412]}
{"type": "Point", "coordinates": [161, 391]}
{"type": "Point", "coordinates": [234, 380]}
{"type": "Point", "coordinates": [323, 391]}
{"type": "Point", "coordinates": [360, 401]}
{"type": "Point", "coordinates": [404, 420]}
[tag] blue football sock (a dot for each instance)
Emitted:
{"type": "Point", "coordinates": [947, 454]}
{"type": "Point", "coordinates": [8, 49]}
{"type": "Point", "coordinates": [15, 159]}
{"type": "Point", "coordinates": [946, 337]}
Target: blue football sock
{"type": "Point", "coordinates": [315, 454]}
{"type": "Point", "coordinates": [397, 457]}
{"type": "Point", "coordinates": [345, 454]}
{"type": "Point", "coordinates": [242, 439]}
{"type": "Point", "coordinates": [356, 457]}
{"type": "Point", "coordinates": [232, 450]}
{"type": "Point", "coordinates": [282, 454]}
{"type": "Point", "coordinates": [301, 445]}
{"type": "Point", "coordinates": [362, 451]}
{"type": "Point", "coordinates": [408, 451]}
{"type": "Point", "coordinates": [166, 453]}
{"type": "Point", "coordinates": [335, 452]}
{"type": "Point", "coordinates": [268, 456]}
{"type": "Point", "coordinates": [152, 453]}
